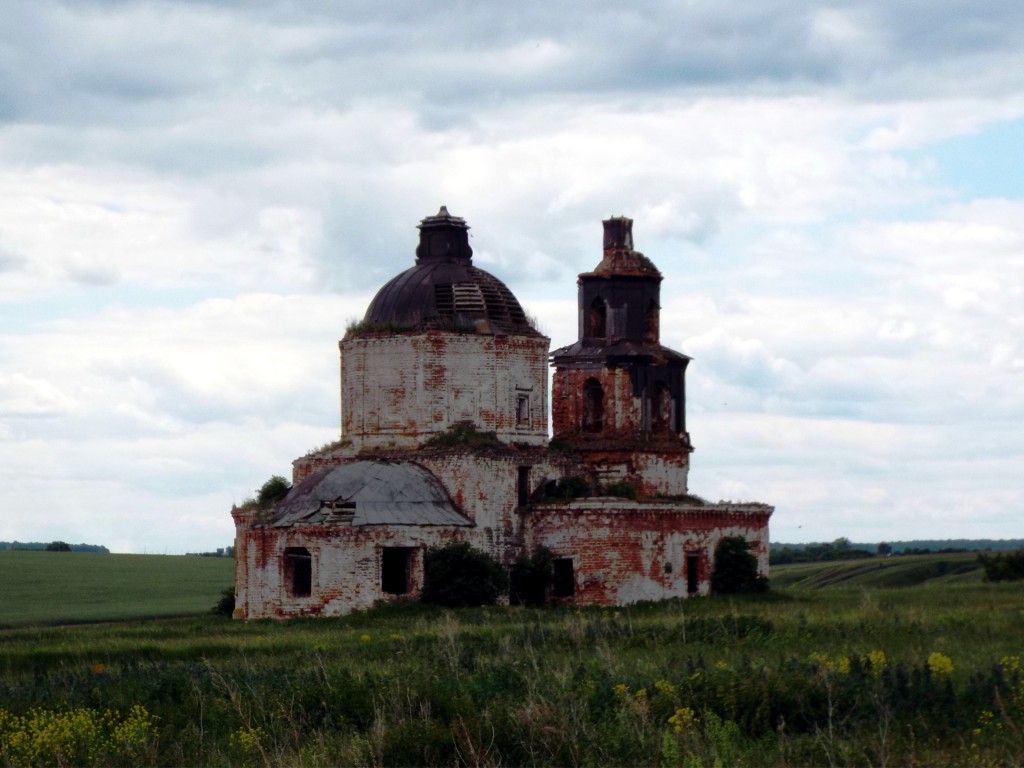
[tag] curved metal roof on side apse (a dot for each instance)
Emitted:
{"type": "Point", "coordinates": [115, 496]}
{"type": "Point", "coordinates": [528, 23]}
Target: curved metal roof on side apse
{"type": "Point", "coordinates": [369, 493]}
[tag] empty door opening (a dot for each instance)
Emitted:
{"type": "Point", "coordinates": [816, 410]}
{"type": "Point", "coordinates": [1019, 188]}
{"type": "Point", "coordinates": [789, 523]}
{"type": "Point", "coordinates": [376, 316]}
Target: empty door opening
{"type": "Point", "coordinates": [394, 570]}
{"type": "Point", "coordinates": [563, 581]}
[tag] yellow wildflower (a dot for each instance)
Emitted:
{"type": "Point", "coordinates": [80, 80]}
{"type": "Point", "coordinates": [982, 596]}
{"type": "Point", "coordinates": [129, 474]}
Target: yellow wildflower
{"type": "Point", "coordinates": [665, 688]}
{"type": "Point", "coordinates": [622, 692]}
{"type": "Point", "coordinates": [684, 719]}
{"type": "Point", "coordinates": [940, 665]}
{"type": "Point", "coordinates": [877, 661]}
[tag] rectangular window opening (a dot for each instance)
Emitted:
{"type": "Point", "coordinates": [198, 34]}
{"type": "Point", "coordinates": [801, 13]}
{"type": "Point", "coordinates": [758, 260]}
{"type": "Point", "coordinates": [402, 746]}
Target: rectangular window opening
{"type": "Point", "coordinates": [563, 582]}
{"type": "Point", "coordinates": [298, 571]}
{"type": "Point", "coordinates": [523, 411]}
{"type": "Point", "coordinates": [523, 486]}
{"type": "Point", "coordinates": [394, 570]}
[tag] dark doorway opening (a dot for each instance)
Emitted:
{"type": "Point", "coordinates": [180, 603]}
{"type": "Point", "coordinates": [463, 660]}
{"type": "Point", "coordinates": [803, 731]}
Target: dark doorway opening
{"type": "Point", "coordinates": [298, 571]}
{"type": "Point", "coordinates": [394, 570]}
{"type": "Point", "coordinates": [563, 581]}
{"type": "Point", "coordinates": [692, 574]}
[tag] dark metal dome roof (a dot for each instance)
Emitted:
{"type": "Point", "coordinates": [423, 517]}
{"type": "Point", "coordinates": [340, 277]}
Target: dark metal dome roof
{"type": "Point", "coordinates": [444, 290]}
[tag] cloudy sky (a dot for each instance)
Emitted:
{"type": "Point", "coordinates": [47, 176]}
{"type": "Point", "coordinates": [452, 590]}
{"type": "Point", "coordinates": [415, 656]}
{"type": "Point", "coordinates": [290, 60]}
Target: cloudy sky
{"type": "Point", "coordinates": [195, 197]}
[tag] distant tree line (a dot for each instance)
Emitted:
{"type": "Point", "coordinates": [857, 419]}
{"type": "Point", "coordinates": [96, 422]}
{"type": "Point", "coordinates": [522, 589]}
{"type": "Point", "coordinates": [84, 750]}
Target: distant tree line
{"type": "Point", "coordinates": [840, 549]}
{"type": "Point", "coordinates": [219, 552]}
{"type": "Point", "coordinates": [55, 546]}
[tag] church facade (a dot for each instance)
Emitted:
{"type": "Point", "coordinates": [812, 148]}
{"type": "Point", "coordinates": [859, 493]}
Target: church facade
{"type": "Point", "coordinates": [445, 438]}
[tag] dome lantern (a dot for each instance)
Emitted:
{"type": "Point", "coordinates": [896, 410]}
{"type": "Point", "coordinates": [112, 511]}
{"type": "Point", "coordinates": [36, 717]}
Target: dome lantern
{"type": "Point", "coordinates": [443, 238]}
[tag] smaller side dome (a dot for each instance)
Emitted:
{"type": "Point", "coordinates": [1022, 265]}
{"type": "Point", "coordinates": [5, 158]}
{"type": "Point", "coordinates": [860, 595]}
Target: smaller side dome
{"type": "Point", "coordinates": [369, 493]}
{"type": "Point", "coordinates": [444, 291]}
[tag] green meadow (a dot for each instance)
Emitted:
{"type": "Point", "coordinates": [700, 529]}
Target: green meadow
{"type": "Point", "coordinates": [74, 587]}
{"type": "Point", "coordinates": [826, 669]}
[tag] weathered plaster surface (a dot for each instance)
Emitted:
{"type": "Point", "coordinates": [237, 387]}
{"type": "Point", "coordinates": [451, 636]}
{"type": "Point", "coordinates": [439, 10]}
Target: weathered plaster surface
{"type": "Point", "coordinates": [397, 390]}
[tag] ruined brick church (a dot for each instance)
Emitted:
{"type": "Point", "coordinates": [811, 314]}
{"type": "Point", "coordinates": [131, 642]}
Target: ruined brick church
{"type": "Point", "coordinates": [445, 438]}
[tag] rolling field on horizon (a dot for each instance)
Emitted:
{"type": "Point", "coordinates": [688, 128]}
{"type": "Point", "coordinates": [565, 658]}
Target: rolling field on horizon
{"type": "Point", "coordinates": [77, 587]}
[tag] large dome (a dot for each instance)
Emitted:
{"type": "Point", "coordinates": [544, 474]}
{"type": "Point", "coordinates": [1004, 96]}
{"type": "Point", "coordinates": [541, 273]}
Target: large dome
{"type": "Point", "coordinates": [444, 290]}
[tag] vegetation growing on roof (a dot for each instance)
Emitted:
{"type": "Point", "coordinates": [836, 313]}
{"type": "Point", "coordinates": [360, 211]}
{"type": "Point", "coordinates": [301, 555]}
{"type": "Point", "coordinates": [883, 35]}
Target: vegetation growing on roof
{"type": "Point", "coordinates": [463, 433]}
{"type": "Point", "coordinates": [328, 447]}
{"type": "Point", "coordinates": [685, 498]}
{"type": "Point", "coordinates": [622, 490]}
{"type": "Point", "coordinates": [267, 497]}
{"type": "Point", "coordinates": [272, 491]}
{"type": "Point", "coordinates": [561, 445]}
{"type": "Point", "coordinates": [356, 328]}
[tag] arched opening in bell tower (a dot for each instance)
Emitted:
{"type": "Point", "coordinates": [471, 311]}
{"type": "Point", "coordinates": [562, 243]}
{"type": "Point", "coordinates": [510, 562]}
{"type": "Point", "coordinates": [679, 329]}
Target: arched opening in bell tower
{"type": "Point", "coordinates": [597, 319]}
{"type": "Point", "coordinates": [593, 406]}
{"type": "Point", "coordinates": [651, 324]}
{"type": "Point", "coordinates": [661, 407]}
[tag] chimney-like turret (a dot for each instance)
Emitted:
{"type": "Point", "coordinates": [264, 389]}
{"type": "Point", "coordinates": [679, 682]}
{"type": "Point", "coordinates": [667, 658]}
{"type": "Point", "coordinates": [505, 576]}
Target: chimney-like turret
{"type": "Point", "coordinates": [618, 233]}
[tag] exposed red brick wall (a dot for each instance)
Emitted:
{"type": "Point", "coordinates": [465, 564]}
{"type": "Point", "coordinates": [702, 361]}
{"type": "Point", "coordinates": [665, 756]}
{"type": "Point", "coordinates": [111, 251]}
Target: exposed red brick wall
{"type": "Point", "coordinates": [620, 550]}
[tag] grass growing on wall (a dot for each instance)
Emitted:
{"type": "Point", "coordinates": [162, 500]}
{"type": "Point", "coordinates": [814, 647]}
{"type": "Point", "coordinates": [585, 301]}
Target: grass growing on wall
{"type": "Point", "coordinates": [71, 587]}
{"type": "Point", "coordinates": [924, 675]}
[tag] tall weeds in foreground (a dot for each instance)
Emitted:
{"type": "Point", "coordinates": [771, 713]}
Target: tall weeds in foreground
{"type": "Point", "coordinates": [796, 679]}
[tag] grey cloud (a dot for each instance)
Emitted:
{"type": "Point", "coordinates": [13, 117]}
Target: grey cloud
{"type": "Point", "coordinates": [102, 62]}
{"type": "Point", "coordinates": [91, 274]}
{"type": "Point", "coordinates": [11, 261]}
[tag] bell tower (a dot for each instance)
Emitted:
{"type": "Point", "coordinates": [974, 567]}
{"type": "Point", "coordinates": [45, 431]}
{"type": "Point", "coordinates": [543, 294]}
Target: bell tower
{"type": "Point", "coordinates": [619, 396]}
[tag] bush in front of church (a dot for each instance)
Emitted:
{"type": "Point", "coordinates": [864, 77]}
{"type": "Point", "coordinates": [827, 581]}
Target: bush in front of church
{"type": "Point", "coordinates": [456, 575]}
{"type": "Point", "coordinates": [735, 570]}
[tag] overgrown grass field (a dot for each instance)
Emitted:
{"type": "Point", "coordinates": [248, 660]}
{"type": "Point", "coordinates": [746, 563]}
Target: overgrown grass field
{"type": "Point", "coordinates": [71, 587]}
{"type": "Point", "coordinates": [926, 675]}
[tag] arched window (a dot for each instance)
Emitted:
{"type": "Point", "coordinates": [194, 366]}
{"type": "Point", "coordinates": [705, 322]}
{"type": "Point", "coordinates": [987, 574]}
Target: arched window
{"type": "Point", "coordinates": [593, 406]}
{"type": "Point", "coordinates": [651, 324]}
{"type": "Point", "coordinates": [597, 319]}
{"type": "Point", "coordinates": [661, 408]}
